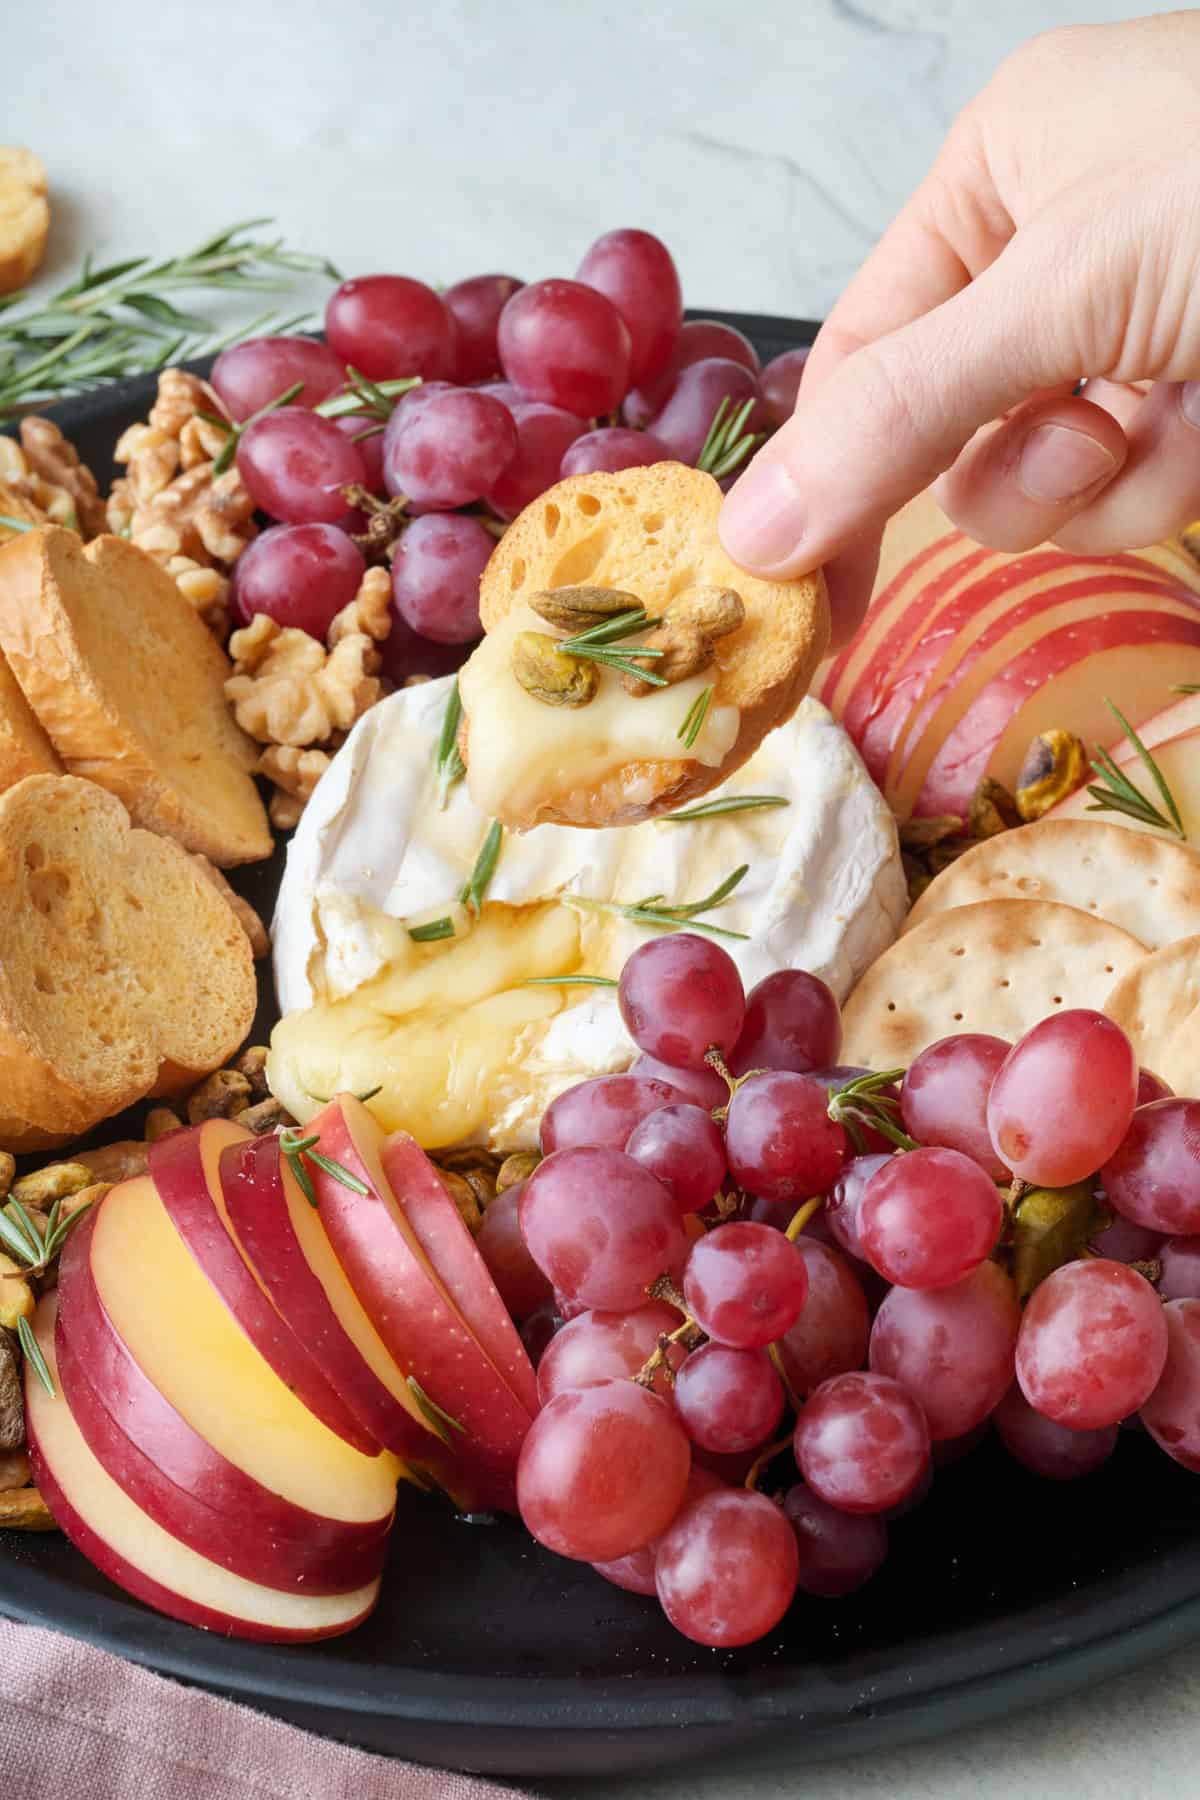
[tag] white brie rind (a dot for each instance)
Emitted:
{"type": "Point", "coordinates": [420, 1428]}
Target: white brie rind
{"type": "Point", "coordinates": [464, 1049]}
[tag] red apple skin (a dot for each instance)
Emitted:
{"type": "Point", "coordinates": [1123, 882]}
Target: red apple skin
{"type": "Point", "coordinates": [439, 1229]}
{"type": "Point", "coordinates": [179, 1479]}
{"type": "Point", "coordinates": [406, 1303]}
{"type": "Point", "coordinates": [183, 1167]}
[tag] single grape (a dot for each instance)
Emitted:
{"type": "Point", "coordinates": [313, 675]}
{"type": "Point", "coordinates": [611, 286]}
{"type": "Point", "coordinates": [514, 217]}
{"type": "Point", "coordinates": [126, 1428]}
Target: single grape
{"type": "Point", "coordinates": [944, 1098]}
{"type": "Point", "coordinates": [792, 1022]}
{"type": "Point", "coordinates": [637, 272]}
{"type": "Point", "coordinates": [521, 1284]}
{"type": "Point", "coordinates": [568, 1309]}
{"type": "Point", "coordinates": [781, 1142]}
{"type": "Point", "coordinates": [953, 1348]}
{"type": "Point", "coordinates": [686, 418]}
{"type": "Point", "coordinates": [448, 449]}
{"type": "Point", "coordinates": [539, 1331]}
{"type": "Point", "coordinates": [841, 1209]}
{"type": "Point", "coordinates": [728, 1400]}
{"type": "Point", "coordinates": [702, 1086]}
{"type": "Point", "coordinates": [698, 340]}
{"type": "Point", "coordinates": [874, 1143]}
{"type": "Point", "coordinates": [682, 1146]}
{"type": "Point", "coordinates": [602, 1471]}
{"type": "Point", "coordinates": [1126, 1242]}
{"type": "Point", "coordinates": [1180, 1278]}
{"type": "Point", "coordinates": [781, 379]}
{"type": "Point", "coordinates": [726, 1569]}
{"type": "Point", "coordinates": [681, 995]}
{"type": "Point", "coordinates": [1048, 1449]}
{"type": "Point", "coordinates": [1151, 1087]}
{"type": "Point", "coordinates": [1153, 1177]}
{"type": "Point", "coordinates": [862, 1443]}
{"type": "Point", "coordinates": [250, 375]}
{"type": "Point", "coordinates": [403, 653]}
{"type": "Point", "coordinates": [839, 1551]}
{"type": "Point", "coordinates": [369, 446]}
{"type": "Point", "coordinates": [1171, 1414]}
{"type": "Point", "coordinates": [566, 344]}
{"type": "Point", "coordinates": [744, 1284]}
{"type": "Point", "coordinates": [601, 1227]}
{"type": "Point", "coordinates": [635, 1572]}
{"type": "Point", "coordinates": [299, 575]}
{"type": "Point", "coordinates": [436, 569]}
{"type": "Point", "coordinates": [544, 434]}
{"type": "Point", "coordinates": [608, 1346]}
{"type": "Point", "coordinates": [1063, 1098]}
{"type": "Point", "coordinates": [1091, 1345]}
{"type": "Point", "coordinates": [511, 396]}
{"type": "Point", "coordinates": [476, 305]}
{"type": "Point", "coordinates": [389, 326]}
{"type": "Point", "coordinates": [294, 465]}
{"type": "Point", "coordinates": [603, 1111]}
{"type": "Point", "coordinates": [830, 1336]}
{"type": "Point", "coordinates": [613, 447]}
{"type": "Point", "coordinates": [928, 1218]}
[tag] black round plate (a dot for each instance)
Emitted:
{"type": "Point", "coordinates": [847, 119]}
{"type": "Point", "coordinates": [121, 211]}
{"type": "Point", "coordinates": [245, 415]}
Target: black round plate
{"type": "Point", "coordinates": [488, 1653]}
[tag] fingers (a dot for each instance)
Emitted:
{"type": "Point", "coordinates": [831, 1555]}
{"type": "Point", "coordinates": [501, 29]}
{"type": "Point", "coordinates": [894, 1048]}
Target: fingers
{"type": "Point", "coordinates": [850, 578]}
{"type": "Point", "coordinates": [1158, 490]}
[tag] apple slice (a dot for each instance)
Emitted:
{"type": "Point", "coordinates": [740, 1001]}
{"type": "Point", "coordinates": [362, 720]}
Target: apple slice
{"type": "Point", "coordinates": [126, 1545]}
{"type": "Point", "coordinates": [439, 1229]}
{"type": "Point", "coordinates": [191, 1348]}
{"type": "Point", "coordinates": [1178, 761]}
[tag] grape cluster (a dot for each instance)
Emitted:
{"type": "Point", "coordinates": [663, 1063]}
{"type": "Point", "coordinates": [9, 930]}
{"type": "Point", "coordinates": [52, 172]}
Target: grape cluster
{"type": "Point", "coordinates": [520, 385]}
{"type": "Point", "coordinates": [740, 1266]}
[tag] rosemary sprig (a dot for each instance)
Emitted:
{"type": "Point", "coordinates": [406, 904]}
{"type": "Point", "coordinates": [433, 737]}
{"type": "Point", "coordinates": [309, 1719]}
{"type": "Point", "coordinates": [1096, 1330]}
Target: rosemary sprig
{"type": "Point", "coordinates": [433, 931]}
{"type": "Point", "coordinates": [439, 1420]}
{"type": "Point", "coordinates": [862, 1102]}
{"type": "Point", "coordinates": [448, 765]}
{"type": "Point", "coordinates": [728, 443]}
{"type": "Point", "coordinates": [296, 1147]}
{"type": "Point", "coordinates": [1115, 792]}
{"type": "Point", "coordinates": [233, 433]}
{"type": "Point", "coordinates": [476, 884]}
{"type": "Point", "coordinates": [33, 1353]}
{"type": "Point", "coordinates": [693, 723]}
{"type": "Point", "coordinates": [732, 803]}
{"type": "Point", "coordinates": [651, 910]}
{"type": "Point", "coordinates": [33, 1249]}
{"type": "Point", "coordinates": [16, 524]}
{"type": "Point", "coordinates": [596, 644]}
{"type": "Point", "coordinates": [569, 981]}
{"type": "Point", "coordinates": [1187, 687]}
{"type": "Point", "coordinates": [373, 399]}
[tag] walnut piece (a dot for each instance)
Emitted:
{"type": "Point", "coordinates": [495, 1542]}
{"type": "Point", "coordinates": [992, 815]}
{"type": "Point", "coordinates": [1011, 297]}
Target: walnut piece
{"type": "Point", "coordinates": [54, 460]}
{"type": "Point", "coordinates": [691, 624]}
{"type": "Point", "coordinates": [221, 1096]}
{"type": "Point", "coordinates": [12, 1401]}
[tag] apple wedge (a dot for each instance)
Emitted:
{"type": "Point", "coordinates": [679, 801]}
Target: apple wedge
{"type": "Point", "coordinates": [1178, 760]}
{"type": "Point", "coordinates": [438, 1227]}
{"type": "Point", "coordinates": [131, 1549]}
{"type": "Point", "coordinates": [175, 1476]}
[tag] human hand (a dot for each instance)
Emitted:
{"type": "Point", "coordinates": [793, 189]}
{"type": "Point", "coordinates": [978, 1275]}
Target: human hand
{"type": "Point", "coordinates": [1057, 236]}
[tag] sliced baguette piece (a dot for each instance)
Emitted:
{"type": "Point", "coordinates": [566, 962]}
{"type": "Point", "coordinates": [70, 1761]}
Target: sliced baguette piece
{"type": "Point", "coordinates": [129, 686]}
{"type": "Point", "coordinates": [124, 972]}
{"type": "Point", "coordinates": [24, 747]}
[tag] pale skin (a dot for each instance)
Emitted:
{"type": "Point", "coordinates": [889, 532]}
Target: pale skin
{"type": "Point", "coordinates": [1056, 237]}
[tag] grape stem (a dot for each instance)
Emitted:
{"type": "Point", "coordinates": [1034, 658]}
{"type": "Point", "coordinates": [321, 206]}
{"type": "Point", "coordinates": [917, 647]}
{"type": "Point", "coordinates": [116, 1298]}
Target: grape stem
{"type": "Point", "coordinates": [688, 1334]}
{"type": "Point", "coordinates": [861, 1102]}
{"type": "Point", "coordinates": [794, 1400]}
{"type": "Point", "coordinates": [762, 1459]}
{"type": "Point", "coordinates": [386, 520]}
{"type": "Point", "coordinates": [801, 1217]}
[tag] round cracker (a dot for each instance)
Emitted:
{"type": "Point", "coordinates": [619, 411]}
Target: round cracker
{"type": "Point", "coordinates": [1146, 885]}
{"type": "Point", "coordinates": [998, 966]}
{"type": "Point", "coordinates": [1181, 1057]}
{"type": "Point", "coordinates": [1156, 999]}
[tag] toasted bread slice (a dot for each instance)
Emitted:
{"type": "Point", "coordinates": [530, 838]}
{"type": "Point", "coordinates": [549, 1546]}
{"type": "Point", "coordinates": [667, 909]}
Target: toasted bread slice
{"type": "Point", "coordinates": [24, 216]}
{"type": "Point", "coordinates": [129, 686]}
{"type": "Point", "coordinates": [124, 972]}
{"type": "Point", "coordinates": [651, 533]}
{"type": "Point", "coordinates": [24, 747]}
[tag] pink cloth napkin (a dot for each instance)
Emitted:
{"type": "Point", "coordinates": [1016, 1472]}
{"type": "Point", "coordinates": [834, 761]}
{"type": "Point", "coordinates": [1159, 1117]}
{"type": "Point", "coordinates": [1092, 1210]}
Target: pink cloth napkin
{"type": "Point", "coordinates": [79, 1724]}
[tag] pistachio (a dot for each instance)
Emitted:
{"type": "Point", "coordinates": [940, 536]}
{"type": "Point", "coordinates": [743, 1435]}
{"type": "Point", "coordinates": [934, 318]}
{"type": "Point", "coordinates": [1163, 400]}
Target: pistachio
{"type": "Point", "coordinates": [23, 1509]}
{"type": "Point", "coordinates": [578, 608]}
{"type": "Point", "coordinates": [115, 1162]}
{"type": "Point", "coordinates": [477, 1168]}
{"type": "Point", "coordinates": [8, 1169]}
{"type": "Point", "coordinates": [160, 1123]}
{"type": "Point", "coordinates": [549, 674]}
{"type": "Point", "coordinates": [716, 611]}
{"type": "Point", "coordinates": [517, 1167]}
{"type": "Point", "coordinates": [88, 1196]}
{"type": "Point", "coordinates": [16, 1295]}
{"type": "Point", "coordinates": [219, 1097]}
{"type": "Point", "coordinates": [44, 1186]}
{"type": "Point", "coordinates": [1056, 763]}
{"type": "Point", "coordinates": [264, 1117]}
{"type": "Point", "coordinates": [992, 810]}
{"type": "Point", "coordinates": [691, 624]}
{"type": "Point", "coordinates": [252, 1063]}
{"type": "Point", "coordinates": [923, 834]}
{"type": "Point", "coordinates": [463, 1196]}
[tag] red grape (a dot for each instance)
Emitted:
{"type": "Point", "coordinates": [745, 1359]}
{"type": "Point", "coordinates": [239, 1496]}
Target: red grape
{"type": "Point", "coordinates": [248, 376]}
{"type": "Point", "coordinates": [952, 1348]}
{"type": "Point", "coordinates": [1126, 1242]}
{"type": "Point", "coordinates": [781, 384]}
{"type": "Point", "coordinates": [830, 1336]}
{"type": "Point", "coordinates": [635, 1572]}
{"type": "Point", "coordinates": [601, 1227]}
{"type": "Point", "coordinates": [476, 305]}
{"type": "Point", "coordinates": [389, 326]}
{"type": "Point", "coordinates": [945, 1094]}
{"type": "Point", "coordinates": [685, 420]}
{"type": "Point", "coordinates": [602, 1471]}
{"type": "Point", "coordinates": [792, 1022]}
{"type": "Point", "coordinates": [301, 575]}
{"type": "Point", "coordinates": [781, 1142]}
{"type": "Point", "coordinates": [566, 344]}
{"type": "Point", "coordinates": [544, 434]}
{"type": "Point", "coordinates": [521, 1284]}
{"type": "Point", "coordinates": [683, 1147]}
{"type": "Point", "coordinates": [1092, 1344]}
{"type": "Point", "coordinates": [1180, 1278]}
{"type": "Point", "coordinates": [744, 1284]}
{"type": "Point", "coordinates": [1151, 1087]}
{"type": "Point", "coordinates": [294, 465]}
{"type": "Point", "coordinates": [726, 1569]}
{"type": "Point", "coordinates": [612, 448]}
{"type": "Point", "coordinates": [703, 1086]}
{"type": "Point", "coordinates": [928, 1218]}
{"type": "Point", "coordinates": [728, 1400]}
{"type": "Point", "coordinates": [1063, 1098]}
{"type": "Point", "coordinates": [861, 1443]}
{"type": "Point", "coordinates": [608, 1346]}
{"type": "Point", "coordinates": [1048, 1449]}
{"type": "Point", "coordinates": [698, 340]}
{"type": "Point", "coordinates": [370, 447]}
{"type": "Point", "coordinates": [839, 1551]}
{"type": "Point", "coordinates": [404, 653]}
{"type": "Point", "coordinates": [538, 1332]}
{"type": "Point", "coordinates": [841, 1209]}
{"type": "Point", "coordinates": [639, 276]}
{"type": "Point", "coordinates": [1153, 1178]}
{"type": "Point", "coordinates": [448, 449]}
{"type": "Point", "coordinates": [436, 568]}
{"type": "Point", "coordinates": [603, 1111]}
{"type": "Point", "coordinates": [1171, 1414]}
{"type": "Point", "coordinates": [681, 995]}
{"type": "Point", "coordinates": [510, 395]}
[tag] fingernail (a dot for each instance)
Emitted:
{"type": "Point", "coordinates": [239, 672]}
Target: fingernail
{"type": "Point", "coordinates": [763, 520]}
{"type": "Point", "coordinates": [1189, 402]}
{"type": "Point", "coordinates": [1058, 462]}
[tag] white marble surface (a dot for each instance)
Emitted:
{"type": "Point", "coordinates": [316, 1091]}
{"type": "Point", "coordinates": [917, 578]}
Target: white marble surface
{"type": "Point", "coordinates": [768, 142]}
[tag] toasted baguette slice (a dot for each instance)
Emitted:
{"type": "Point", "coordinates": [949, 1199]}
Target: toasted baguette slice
{"type": "Point", "coordinates": [24, 747]}
{"type": "Point", "coordinates": [124, 972]}
{"type": "Point", "coordinates": [24, 216]}
{"type": "Point", "coordinates": [129, 686]}
{"type": "Point", "coordinates": [651, 533]}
